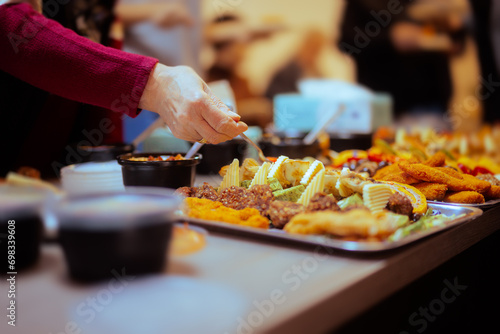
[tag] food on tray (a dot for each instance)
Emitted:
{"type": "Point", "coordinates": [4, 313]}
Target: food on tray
{"type": "Point", "coordinates": [294, 171]}
{"type": "Point", "coordinates": [311, 172]}
{"type": "Point", "coordinates": [321, 202]}
{"type": "Point", "coordinates": [261, 175]}
{"type": "Point", "coordinates": [376, 196]}
{"type": "Point", "coordinates": [400, 204]}
{"type": "Point", "coordinates": [277, 170]}
{"type": "Point", "coordinates": [465, 197]}
{"type": "Point", "coordinates": [438, 180]}
{"type": "Point", "coordinates": [232, 177]}
{"type": "Point", "coordinates": [158, 158]}
{"type": "Point", "coordinates": [248, 169]}
{"type": "Point", "coordinates": [317, 185]}
{"type": "Point", "coordinates": [281, 212]}
{"type": "Point", "coordinates": [417, 199]}
{"type": "Point", "coordinates": [291, 194]}
{"type": "Point", "coordinates": [357, 223]}
{"type": "Point", "coordinates": [354, 201]}
{"type": "Point", "coordinates": [428, 221]}
{"type": "Point", "coordinates": [431, 190]}
{"type": "Point", "coordinates": [330, 204]}
{"type": "Point", "coordinates": [473, 153]}
{"type": "Point", "coordinates": [430, 174]}
{"type": "Point", "coordinates": [206, 209]}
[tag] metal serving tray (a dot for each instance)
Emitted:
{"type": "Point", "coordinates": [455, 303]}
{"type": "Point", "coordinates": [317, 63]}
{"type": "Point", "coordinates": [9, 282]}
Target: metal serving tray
{"type": "Point", "coordinates": [469, 213]}
{"type": "Point", "coordinates": [484, 206]}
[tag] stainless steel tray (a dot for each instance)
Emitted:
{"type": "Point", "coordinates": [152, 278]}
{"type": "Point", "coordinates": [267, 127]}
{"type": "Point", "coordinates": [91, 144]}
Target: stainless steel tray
{"type": "Point", "coordinates": [324, 241]}
{"type": "Point", "coordinates": [484, 206]}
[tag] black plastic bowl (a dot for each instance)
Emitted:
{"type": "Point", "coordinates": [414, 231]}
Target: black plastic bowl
{"type": "Point", "coordinates": [104, 152]}
{"type": "Point", "coordinates": [116, 234]}
{"type": "Point", "coordinates": [217, 156]}
{"type": "Point", "coordinates": [168, 174]}
{"type": "Point", "coordinates": [341, 142]}
{"type": "Point", "coordinates": [21, 226]}
{"type": "Point", "coordinates": [288, 144]}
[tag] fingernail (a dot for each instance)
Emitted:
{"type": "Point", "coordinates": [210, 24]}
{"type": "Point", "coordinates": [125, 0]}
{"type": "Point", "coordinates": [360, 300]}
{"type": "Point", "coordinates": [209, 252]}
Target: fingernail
{"type": "Point", "coordinates": [233, 115]}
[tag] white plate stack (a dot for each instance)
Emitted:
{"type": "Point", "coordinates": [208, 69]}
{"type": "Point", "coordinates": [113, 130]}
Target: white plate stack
{"type": "Point", "coordinates": [92, 177]}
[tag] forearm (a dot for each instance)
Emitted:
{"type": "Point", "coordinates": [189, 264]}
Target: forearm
{"type": "Point", "coordinates": [46, 55]}
{"type": "Point", "coordinates": [135, 13]}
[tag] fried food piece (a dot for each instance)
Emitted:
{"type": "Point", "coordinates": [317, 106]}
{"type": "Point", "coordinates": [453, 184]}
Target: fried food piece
{"type": "Point", "coordinates": [437, 160]}
{"type": "Point", "coordinates": [400, 177]}
{"type": "Point", "coordinates": [451, 172]}
{"type": "Point", "coordinates": [493, 192]}
{"type": "Point", "coordinates": [434, 175]}
{"type": "Point", "coordinates": [185, 191]}
{"type": "Point", "coordinates": [206, 209]}
{"type": "Point", "coordinates": [432, 191]}
{"type": "Point", "coordinates": [321, 201]}
{"type": "Point", "coordinates": [263, 197]}
{"type": "Point", "coordinates": [354, 223]}
{"type": "Point", "coordinates": [490, 178]}
{"type": "Point", "coordinates": [476, 184]}
{"type": "Point", "coordinates": [280, 212]}
{"type": "Point", "coordinates": [258, 197]}
{"type": "Point", "coordinates": [387, 170]}
{"type": "Point", "coordinates": [29, 172]}
{"type": "Point", "coordinates": [400, 204]}
{"type": "Point", "coordinates": [466, 197]}
{"type": "Point", "coordinates": [206, 191]}
{"type": "Point", "coordinates": [235, 197]}
{"type": "Point", "coordinates": [395, 174]}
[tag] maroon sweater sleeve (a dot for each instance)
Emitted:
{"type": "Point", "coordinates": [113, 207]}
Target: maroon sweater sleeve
{"type": "Point", "coordinates": [46, 55]}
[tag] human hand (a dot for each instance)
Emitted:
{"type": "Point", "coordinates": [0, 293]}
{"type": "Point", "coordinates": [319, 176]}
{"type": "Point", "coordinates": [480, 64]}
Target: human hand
{"type": "Point", "coordinates": [188, 107]}
{"type": "Point", "coordinates": [172, 14]}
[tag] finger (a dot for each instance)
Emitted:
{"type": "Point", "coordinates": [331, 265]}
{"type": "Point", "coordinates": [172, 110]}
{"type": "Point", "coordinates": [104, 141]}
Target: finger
{"type": "Point", "coordinates": [221, 122]}
{"type": "Point", "coordinates": [219, 104]}
{"type": "Point", "coordinates": [209, 134]}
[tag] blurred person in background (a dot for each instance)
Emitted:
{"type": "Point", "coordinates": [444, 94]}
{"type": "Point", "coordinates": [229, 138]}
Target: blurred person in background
{"type": "Point", "coordinates": [307, 63]}
{"type": "Point", "coordinates": [168, 30]}
{"type": "Point", "coordinates": [403, 48]}
{"type": "Point", "coordinates": [46, 70]}
{"type": "Point", "coordinates": [487, 34]}
{"type": "Point", "coordinates": [229, 38]}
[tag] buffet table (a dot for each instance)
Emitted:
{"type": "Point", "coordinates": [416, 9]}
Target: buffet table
{"type": "Point", "coordinates": [240, 286]}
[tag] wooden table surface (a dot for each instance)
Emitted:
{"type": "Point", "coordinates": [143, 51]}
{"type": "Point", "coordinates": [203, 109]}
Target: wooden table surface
{"type": "Point", "coordinates": [283, 289]}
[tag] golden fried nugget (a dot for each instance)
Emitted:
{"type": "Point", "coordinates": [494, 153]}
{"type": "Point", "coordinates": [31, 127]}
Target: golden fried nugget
{"type": "Point", "coordinates": [434, 175]}
{"type": "Point", "coordinates": [211, 210]}
{"type": "Point", "coordinates": [437, 160]}
{"type": "Point", "coordinates": [493, 192]}
{"type": "Point", "coordinates": [451, 172]}
{"type": "Point", "coordinates": [395, 174]}
{"type": "Point", "coordinates": [476, 184]}
{"type": "Point", "coordinates": [387, 170]}
{"type": "Point", "coordinates": [432, 191]}
{"type": "Point", "coordinates": [465, 197]}
{"type": "Point", "coordinates": [354, 223]}
{"type": "Point", "coordinates": [400, 177]}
